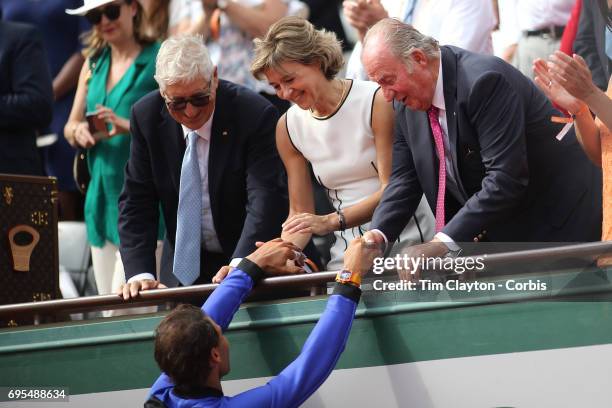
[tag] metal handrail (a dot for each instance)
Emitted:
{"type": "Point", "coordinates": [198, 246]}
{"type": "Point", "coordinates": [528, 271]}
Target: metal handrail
{"type": "Point", "coordinates": [159, 296]}
{"type": "Point", "coordinates": [591, 249]}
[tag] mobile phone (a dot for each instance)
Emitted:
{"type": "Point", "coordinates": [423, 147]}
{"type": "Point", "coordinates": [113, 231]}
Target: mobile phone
{"type": "Point", "coordinates": [97, 126]}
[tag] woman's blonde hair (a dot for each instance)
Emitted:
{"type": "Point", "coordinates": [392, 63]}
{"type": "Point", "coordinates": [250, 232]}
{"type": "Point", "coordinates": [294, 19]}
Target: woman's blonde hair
{"type": "Point", "coordinates": [293, 39]}
{"type": "Point", "coordinates": [93, 40]}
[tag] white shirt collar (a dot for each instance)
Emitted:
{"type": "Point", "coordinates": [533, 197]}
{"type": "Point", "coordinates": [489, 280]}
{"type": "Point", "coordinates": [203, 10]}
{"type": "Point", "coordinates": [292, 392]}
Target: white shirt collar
{"type": "Point", "coordinates": [438, 97]}
{"type": "Point", "coordinates": [204, 131]}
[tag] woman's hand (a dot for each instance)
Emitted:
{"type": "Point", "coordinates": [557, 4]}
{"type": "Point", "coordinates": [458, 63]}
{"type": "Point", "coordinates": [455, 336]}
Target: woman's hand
{"type": "Point", "coordinates": [310, 223]}
{"type": "Point", "coordinates": [82, 136]}
{"type": "Point", "coordinates": [119, 125]}
{"type": "Point", "coordinates": [552, 89]}
{"type": "Point", "coordinates": [572, 73]}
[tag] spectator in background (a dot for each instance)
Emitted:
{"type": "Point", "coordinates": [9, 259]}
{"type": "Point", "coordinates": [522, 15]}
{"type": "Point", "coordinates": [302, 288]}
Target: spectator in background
{"type": "Point", "coordinates": [26, 97]}
{"type": "Point", "coordinates": [118, 71]}
{"type": "Point", "coordinates": [568, 82]}
{"type": "Point", "coordinates": [535, 28]}
{"type": "Point", "coordinates": [571, 29]}
{"type": "Point", "coordinates": [229, 27]}
{"type": "Point", "coordinates": [61, 40]}
{"type": "Point", "coordinates": [172, 17]}
{"type": "Point", "coordinates": [594, 43]}
{"type": "Point", "coordinates": [353, 166]}
{"type": "Point", "coordinates": [157, 16]}
{"type": "Point", "coordinates": [325, 14]}
{"type": "Point", "coordinates": [465, 24]}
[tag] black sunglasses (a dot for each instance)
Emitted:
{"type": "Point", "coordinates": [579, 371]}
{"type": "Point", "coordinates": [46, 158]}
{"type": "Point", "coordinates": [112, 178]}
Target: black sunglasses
{"type": "Point", "coordinates": [198, 100]}
{"type": "Point", "coordinates": [112, 12]}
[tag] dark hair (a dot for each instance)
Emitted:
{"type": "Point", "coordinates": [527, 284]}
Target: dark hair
{"type": "Point", "coordinates": [605, 12]}
{"type": "Point", "coordinates": [183, 342]}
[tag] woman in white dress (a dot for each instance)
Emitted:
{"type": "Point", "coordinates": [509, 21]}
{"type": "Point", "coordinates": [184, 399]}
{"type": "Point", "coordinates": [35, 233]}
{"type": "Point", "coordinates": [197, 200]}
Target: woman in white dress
{"type": "Point", "coordinates": [343, 128]}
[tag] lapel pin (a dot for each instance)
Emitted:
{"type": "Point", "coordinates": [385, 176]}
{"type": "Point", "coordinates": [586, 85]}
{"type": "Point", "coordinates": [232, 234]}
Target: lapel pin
{"type": "Point", "coordinates": [224, 133]}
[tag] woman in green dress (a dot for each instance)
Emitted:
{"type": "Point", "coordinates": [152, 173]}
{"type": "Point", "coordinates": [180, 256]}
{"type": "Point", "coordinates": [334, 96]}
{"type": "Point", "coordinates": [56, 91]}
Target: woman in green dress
{"type": "Point", "coordinates": [118, 71]}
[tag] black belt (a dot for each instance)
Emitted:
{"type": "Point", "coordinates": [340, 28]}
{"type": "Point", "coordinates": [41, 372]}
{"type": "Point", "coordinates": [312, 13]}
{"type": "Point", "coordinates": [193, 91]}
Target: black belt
{"type": "Point", "coordinates": [553, 31]}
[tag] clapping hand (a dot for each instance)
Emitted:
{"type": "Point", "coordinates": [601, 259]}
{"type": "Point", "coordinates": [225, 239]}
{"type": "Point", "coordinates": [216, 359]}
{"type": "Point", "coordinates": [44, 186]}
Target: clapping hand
{"type": "Point", "coordinates": [546, 81]}
{"type": "Point", "coordinates": [573, 74]}
{"type": "Point", "coordinates": [363, 14]}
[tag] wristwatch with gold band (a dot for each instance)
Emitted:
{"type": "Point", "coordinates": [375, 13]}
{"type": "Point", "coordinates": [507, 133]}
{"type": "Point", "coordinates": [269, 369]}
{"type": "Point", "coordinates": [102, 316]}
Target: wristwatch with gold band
{"type": "Point", "coordinates": [345, 276]}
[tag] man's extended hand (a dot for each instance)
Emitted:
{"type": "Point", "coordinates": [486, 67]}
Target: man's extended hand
{"type": "Point", "coordinates": [132, 289]}
{"type": "Point", "coordinates": [272, 257]}
{"type": "Point", "coordinates": [431, 249]}
{"type": "Point", "coordinates": [222, 273]}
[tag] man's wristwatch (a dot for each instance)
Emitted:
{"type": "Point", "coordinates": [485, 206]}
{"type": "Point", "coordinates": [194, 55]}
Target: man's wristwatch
{"type": "Point", "coordinates": [346, 276]}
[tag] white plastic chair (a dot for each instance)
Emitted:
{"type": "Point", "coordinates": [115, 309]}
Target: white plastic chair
{"type": "Point", "coordinates": [74, 251]}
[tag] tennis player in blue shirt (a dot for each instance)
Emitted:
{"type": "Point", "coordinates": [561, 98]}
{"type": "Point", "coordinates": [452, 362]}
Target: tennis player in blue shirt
{"type": "Point", "coordinates": [193, 353]}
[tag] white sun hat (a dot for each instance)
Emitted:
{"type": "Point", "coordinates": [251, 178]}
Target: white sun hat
{"type": "Point", "coordinates": [87, 6]}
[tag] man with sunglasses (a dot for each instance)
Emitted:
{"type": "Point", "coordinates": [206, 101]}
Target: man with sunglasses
{"type": "Point", "coordinates": [204, 149]}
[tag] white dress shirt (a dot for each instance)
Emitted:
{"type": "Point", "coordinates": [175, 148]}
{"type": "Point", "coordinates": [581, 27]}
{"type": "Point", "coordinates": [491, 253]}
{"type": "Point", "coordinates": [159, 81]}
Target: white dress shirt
{"type": "Point", "coordinates": [463, 23]}
{"type": "Point", "coordinates": [530, 15]}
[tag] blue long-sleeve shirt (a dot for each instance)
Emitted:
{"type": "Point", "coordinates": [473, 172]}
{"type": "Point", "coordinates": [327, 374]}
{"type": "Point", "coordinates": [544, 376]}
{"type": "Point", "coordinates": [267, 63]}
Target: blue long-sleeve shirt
{"type": "Point", "coordinates": [298, 380]}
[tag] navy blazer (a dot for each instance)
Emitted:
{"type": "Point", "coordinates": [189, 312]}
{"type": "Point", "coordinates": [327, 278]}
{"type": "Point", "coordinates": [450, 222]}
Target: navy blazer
{"type": "Point", "coordinates": [26, 97]}
{"type": "Point", "coordinates": [248, 198]}
{"type": "Point", "coordinates": [517, 181]}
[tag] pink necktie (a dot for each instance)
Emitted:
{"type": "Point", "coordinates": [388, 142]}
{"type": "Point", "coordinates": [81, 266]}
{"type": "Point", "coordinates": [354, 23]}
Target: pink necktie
{"type": "Point", "coordinates": [436, 130]}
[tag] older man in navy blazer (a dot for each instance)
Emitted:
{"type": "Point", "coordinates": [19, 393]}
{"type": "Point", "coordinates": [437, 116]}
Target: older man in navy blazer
{"type": "Point", "coordinates": [243, 199]}
{"type": "Point", "coordinates": [505, 175]}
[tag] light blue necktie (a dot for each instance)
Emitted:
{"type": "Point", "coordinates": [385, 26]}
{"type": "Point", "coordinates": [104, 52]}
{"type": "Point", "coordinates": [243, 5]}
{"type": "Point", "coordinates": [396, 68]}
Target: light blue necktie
{"type": "Point", "coordinates": [189, 217]}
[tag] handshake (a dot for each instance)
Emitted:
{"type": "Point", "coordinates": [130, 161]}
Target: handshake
{"type": "Point", "coordinates": [276, 257]}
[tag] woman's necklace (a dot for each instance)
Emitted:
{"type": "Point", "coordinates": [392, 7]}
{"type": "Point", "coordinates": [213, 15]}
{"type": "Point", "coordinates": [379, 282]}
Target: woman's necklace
{"type": "Point", "coordinates": [342, 96]}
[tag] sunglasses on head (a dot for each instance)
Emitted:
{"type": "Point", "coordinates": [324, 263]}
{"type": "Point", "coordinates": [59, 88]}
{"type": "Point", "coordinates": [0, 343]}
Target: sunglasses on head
{"type": "Point", "coordinates": [112, 12]}
{"type": "Point", "coordinates": [198, 100]}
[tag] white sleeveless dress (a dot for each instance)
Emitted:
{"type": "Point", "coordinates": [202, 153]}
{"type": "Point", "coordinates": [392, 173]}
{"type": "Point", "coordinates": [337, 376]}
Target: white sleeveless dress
{"type": "Point", "coordinates": [341, 150]}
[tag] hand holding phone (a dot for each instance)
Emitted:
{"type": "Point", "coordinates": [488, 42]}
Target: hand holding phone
{"type": "Point", "coordinates": [97, 126]}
